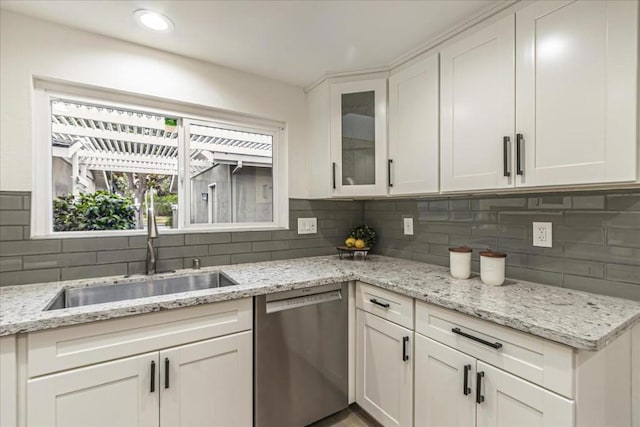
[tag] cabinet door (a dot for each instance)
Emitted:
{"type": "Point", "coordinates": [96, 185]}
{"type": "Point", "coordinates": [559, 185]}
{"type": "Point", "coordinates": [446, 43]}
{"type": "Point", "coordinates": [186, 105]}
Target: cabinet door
{"type": "Point", "coordinates": [576, 91]}
{"type": "Point", "coordinates": [413, 129]}
{"type": "Point", "coordinates": [119, 393]}
{"type": "Point", "coordinates": [443, 397]}
{"type": "Point", "coordinates": [208, 383]}
{"type": "Point", "coordinates": [477, 109]}
{"type": "Point", "coordinates": [510, 401]}
{"type": "Point", "coordinates": [359, 138]}
{"type": "Point", "coordinates": [384, 369]}
{"type": "Point", "coordinates": [318, 142]}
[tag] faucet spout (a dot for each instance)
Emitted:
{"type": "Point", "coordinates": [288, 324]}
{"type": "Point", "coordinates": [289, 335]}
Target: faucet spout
{"type": "Point", "coordinates": [151, 257]}
{"type": "Point", "coordinates": [152, 233]}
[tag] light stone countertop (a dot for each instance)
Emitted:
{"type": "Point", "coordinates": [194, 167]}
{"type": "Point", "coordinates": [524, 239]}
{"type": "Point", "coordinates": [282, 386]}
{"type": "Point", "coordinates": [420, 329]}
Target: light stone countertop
{"type": "Point", "coordinates": [578, 319]}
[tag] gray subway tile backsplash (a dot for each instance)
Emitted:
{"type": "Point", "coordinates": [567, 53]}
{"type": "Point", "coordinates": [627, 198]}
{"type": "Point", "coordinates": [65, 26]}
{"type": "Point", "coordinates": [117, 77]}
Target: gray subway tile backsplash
{"type": "Point", "coordinates": [34, 262]}
{"type": "Point", "coordinates": [11, 202]}
{"type": "Point", "coordinates": [14, 217]}
{"type": "Point", "coordinates": [624, 237]}
{"type": "Point", "coordinates": [596, 235]}
{"type": "Point", "coordinates": [11, 232]}
{"type": "Point", "coordinates": [71, 273]}
{"type": "Point", "coordinates": [29, 261]}
{"type": "Point", "coordinates": [596, 239]}
{"type": "Point", "coordinates": [95, 244]}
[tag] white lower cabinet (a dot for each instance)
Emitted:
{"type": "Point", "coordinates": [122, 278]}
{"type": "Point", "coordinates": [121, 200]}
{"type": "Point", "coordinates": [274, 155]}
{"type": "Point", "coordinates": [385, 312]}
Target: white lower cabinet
{"type": "Point", "coordinates": [384, 369]}
{"type": "Point", "coordinates": [454, 389]}
{"type": "Point", "coordinates": [117, 393]}
{"type": "Point", "coordinates": [187, 367]}
{"type": "Point", "coordinates": [208, 383]}
{"type": "Point", "coordinates": [504, 400]}
{"type": "Point", "coordinates": [442, 395]}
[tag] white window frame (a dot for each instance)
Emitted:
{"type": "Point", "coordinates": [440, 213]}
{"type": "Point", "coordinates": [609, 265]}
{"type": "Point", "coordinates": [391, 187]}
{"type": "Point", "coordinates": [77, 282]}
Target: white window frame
{"type": "Point", "coordinates": [42, 180]}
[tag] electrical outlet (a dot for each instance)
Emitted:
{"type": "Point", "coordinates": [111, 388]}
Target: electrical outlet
{"type": "Point", "coordinates": [408, 226]}
{"type": "Point", "coordinates": [542, 234]}
{"type": "Point", "coordinates": [307, 225]}
{"type": "Point", "coordinates": [313, 225]}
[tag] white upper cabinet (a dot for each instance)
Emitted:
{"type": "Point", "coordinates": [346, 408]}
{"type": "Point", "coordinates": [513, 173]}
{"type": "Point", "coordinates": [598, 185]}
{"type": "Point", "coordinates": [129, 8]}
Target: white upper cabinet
{"type": "Point", "coordinates": [413, 164]}
{"type": "Point", "coordinates": [576, 92]}
{"type": "Point", "coordinates": [573, 65]}
{"type": "Point", "coordinates": [359, 138]}
{"type": "Point", "coordinates": [477, 98]}
{"type": "Point", "coordinates": [318, 137]}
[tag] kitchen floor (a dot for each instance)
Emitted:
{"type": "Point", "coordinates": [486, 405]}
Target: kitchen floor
{"type": "Point", "coordinates": [353, 416]}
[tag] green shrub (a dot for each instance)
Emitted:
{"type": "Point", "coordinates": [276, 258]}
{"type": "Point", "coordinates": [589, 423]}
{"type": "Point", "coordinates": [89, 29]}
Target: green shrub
{"type": "Point", "coordinates": [93, 211]}
{"type": "Point", "coordinates": [162, 204]}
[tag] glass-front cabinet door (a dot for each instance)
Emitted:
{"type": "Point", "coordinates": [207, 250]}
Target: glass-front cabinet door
{"type": "Point", "coordinates": [359, 138]}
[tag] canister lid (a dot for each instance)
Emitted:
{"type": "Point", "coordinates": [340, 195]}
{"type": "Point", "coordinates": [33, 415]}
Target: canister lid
{"type": "Point", "coordinates": [464, 249]}
{"type": "Point", "coordinates": [491, 254]}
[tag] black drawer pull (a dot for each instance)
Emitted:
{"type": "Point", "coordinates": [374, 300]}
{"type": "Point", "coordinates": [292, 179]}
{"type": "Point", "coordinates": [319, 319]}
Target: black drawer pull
{"type": "Point", "coordinates": [405, 349]}
{"type": "Point", "coordinates": [466, 390]}
{"type": "Point", "coordinates": [495, 345]}
{"type": "Point", "coordinates": [479, 396]}
{"type": "Point", "coordinates": [381, 304]}
{"type": "Point", "coordinates": [166, 372]}
{"type": "Point", "coordinates": [153, 376]}
{"type": "Point", "coordinates": [389, 162]}
{"type": "Point", "coordinates": [505, 152]}
{"type": "Point", "coordinates": [519, 138]}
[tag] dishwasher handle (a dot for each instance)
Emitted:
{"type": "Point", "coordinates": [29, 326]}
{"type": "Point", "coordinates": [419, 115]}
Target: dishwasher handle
{"type": "Point", "coordinates": [302, 301]}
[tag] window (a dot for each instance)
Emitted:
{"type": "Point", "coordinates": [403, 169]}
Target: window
{"type": "Point", "coordinates": [101, 166]}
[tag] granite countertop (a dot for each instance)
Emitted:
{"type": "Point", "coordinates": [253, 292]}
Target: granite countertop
{"type": "Point", "coordinates": [578, 319]}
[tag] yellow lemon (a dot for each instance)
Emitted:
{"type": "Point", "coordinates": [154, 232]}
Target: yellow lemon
{"type": "Point", "coordinates": [359, 244]}
{"type": "Point", "coordinates": [350, 242]}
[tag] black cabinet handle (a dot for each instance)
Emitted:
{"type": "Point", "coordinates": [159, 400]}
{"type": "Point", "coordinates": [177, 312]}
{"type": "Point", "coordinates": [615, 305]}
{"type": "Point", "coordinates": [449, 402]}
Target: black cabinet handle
{"type": "Point", "coordinates": [381, 304]}
{"type": "Point", "coordinates": [466, 390]}
{"type": "Point", "coordinates": [405, 349]}
{"type": "Point", "coordinates": [519, 138]}
{"type": "Point", "coordinates": [505, 152]}
{"type": "Point", "coordinates": [495, 345]}
{"type": "Point", "coordinates": [166, 372]}
{"type": "Point", "coordinates": [479, 396]}
{"type": "Point", "coordinates": [333, 165]}
{"type": "Point", "coordinates": [153, 376]}
{"type": "Point", "coordinates": [389, 162]}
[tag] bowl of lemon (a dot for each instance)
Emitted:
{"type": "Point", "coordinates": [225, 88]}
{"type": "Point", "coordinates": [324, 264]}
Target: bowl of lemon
{"type": "Point", "coordinates": [359, 242]}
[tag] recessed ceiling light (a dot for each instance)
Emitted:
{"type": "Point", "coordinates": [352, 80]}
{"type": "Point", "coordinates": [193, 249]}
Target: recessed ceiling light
{"type": "Point", "coordinates": [153, 20]}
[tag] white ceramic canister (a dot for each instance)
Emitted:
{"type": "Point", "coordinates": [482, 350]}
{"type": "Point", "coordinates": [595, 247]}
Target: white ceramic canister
{"type": "Point", "coordinates": [492, 265]}
{"type": "Point", "coordinates": [460, 262]}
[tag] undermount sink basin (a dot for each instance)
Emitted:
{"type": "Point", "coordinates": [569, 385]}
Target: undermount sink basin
{"type": "Point", "coordinates": [147, 287]}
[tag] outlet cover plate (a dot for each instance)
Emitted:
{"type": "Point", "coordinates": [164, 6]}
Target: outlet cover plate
{"type": "Point", "coordinates": [543, 234]}
{"type": "Point", "coordinates": [408, 226]}
{"type": "Point", "coordinates": [307, 225]}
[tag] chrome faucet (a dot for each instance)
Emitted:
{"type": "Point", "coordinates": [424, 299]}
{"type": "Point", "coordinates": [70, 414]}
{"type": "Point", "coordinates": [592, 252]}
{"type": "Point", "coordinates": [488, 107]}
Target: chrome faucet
{"type": "Point", "coordinates": [152, 233]}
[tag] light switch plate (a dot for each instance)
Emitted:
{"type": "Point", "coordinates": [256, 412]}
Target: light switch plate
{"type": "Point", "coordinates": [542, 234]}
{"type": "Point", "coordinates": [408, 226]}
{"type": "Point", "coordinates": [307, 225]}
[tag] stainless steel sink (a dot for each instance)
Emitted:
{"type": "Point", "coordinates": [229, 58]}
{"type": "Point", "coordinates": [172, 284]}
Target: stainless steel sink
{"type": "Point", "coordinates": [147, 287]}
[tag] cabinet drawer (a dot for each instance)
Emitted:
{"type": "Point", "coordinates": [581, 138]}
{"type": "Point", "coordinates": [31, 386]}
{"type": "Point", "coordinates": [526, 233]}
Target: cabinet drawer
{"type": "Point", "coordinates": [540, 361]}
{"type": "Point", "coordinates": [386, 304]}
{"type": "Point", "coordinates": [74, 346]}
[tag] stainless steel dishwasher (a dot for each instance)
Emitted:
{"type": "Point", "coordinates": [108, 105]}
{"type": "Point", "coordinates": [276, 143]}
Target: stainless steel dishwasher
{"type": "Point", "coordinates": [301, 355]}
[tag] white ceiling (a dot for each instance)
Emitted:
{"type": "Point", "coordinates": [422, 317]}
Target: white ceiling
{"type": "Point", "coordinates": [292, 41]}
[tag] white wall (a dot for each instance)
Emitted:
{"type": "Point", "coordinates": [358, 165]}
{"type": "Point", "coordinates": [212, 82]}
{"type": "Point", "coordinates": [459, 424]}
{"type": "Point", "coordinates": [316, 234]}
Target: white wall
{"type": "Point", "coordinates": [31, 47]}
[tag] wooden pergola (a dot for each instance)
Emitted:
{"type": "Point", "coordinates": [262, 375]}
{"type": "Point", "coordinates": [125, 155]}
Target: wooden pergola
{"type": "Point", "coordinates": [97, 138]}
